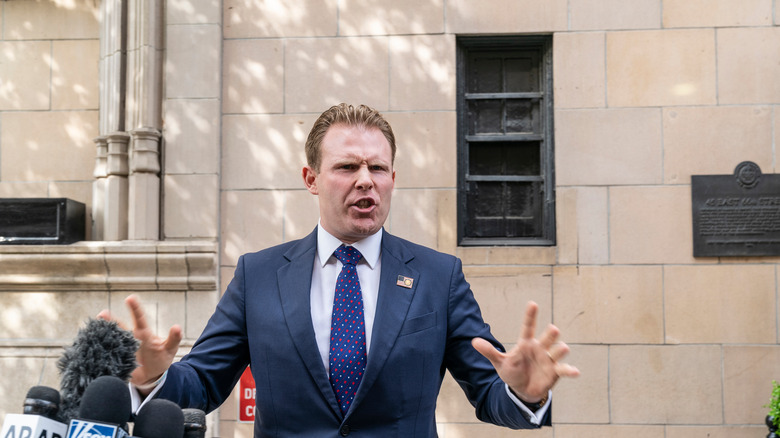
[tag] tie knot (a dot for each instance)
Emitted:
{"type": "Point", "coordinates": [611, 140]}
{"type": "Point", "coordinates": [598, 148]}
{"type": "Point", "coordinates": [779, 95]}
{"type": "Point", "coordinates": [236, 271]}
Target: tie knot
{"type": "Point", "coordinates": [347, 255]}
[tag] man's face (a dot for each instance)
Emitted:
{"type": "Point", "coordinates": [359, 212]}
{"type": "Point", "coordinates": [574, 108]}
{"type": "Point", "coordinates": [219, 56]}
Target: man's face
{"type": "Point", "coordinates": [355, 181]}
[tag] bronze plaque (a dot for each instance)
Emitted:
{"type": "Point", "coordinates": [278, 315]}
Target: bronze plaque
{"type": "Point", "coordinates": [736, 215]}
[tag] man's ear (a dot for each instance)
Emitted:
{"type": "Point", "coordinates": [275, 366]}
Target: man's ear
{"type": "Point", "coordinates": [310, 180]}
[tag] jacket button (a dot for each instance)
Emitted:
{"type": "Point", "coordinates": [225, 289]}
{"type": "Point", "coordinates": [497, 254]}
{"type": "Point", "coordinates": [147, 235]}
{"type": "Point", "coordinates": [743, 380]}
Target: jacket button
{"type": "Point", "coordinates": [344, 430]}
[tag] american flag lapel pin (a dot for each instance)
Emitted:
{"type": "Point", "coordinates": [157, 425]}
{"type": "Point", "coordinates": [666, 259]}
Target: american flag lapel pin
{"type": "Point", "coordinates": [404, 282]}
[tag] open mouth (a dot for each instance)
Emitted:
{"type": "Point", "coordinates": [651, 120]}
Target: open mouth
{"type": "Point", "coordinates": [364, 203]}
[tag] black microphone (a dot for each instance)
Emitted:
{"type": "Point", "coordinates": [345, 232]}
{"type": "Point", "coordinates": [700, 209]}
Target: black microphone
{"type": "Point", "coordinates": [104, 410]}
{"type": "Point", "coordinates": [43, 401]}
{"type": "Point", "coordinates": [159, 418]}
{"type": "Point", "coordinates": [194, 423]}
{"type": "Point", "coordinates": [41, 406]}
{"type": "Point", "coordinates": [101, 348]}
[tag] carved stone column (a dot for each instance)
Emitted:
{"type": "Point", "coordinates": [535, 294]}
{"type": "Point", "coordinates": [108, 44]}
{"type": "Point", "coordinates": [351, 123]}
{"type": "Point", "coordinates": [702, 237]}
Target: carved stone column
{"type": "Point", "coordinates": [126, 201]}
{"type": "Point", "coordinates": [99, 189]}
{"type": "Point", "coordinates": [115, 197]}
{"type": "Point", "coordinates": [144, 196]}
{"type": "Point", "coordinates": [143, 115]}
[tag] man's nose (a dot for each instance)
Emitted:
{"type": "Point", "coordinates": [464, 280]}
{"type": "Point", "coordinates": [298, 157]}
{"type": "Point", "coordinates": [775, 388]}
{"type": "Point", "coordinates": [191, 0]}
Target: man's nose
{"type": "Point", "coordinates": [363, 178]}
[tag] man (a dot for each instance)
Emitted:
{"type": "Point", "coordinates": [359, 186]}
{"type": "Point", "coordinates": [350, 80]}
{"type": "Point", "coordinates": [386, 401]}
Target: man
{"type": "Point", "coordinates": [407, 310]}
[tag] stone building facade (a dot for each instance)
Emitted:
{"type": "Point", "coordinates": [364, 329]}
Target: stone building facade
{"type": "Point", "coordinates": [184, 136]}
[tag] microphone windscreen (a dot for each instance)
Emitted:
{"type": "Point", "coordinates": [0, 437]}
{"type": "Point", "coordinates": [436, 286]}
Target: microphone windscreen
{"type": "Point", "coordinates": [106, 400]}
{"type": "Point", "coordinates": [194, 423]}
{"type": "Point", "coordinates": [44, 393]}
{"type": "Point", "coordinates": [101, 348]}
{"type": "Point", "coordinates": [42, 400]}
{"type": "Point", "coordinates": [159, 418]}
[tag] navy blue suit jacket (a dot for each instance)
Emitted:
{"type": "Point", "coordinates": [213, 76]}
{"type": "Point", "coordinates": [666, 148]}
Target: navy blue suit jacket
{"type": "Point", "coordinates": [264, 319]}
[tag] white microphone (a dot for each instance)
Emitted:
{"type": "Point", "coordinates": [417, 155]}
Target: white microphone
{"type": "Point", "coordinates": [40, 408]}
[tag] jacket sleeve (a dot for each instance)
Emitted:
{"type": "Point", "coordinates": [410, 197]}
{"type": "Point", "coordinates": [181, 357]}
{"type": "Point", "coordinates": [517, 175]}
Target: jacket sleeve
{"type": "Point", "coordinates": [473, 372]}
{"type": "Point", "coordinates": [204, 378]}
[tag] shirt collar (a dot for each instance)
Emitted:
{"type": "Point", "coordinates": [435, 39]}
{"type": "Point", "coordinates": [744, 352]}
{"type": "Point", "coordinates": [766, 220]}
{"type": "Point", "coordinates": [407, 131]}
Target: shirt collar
{"type": "Point", "coordinates": [370, 247]}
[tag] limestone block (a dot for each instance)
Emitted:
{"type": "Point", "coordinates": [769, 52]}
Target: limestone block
{"type": "Point", "coordinates": [191, 206]}
{"type": "Point", "coordinates": [376, 17]}
{"type": "Point", "coordinates": [579, 78]}
{"type": "Point", "coordinates": [251, 220]}
{"type": "Point", "coordinates": [171, 268]}
{"type": "Point", "coordinates": [14, 189]}
{"type": "Point", "coordinates": [301, 212]}
{"type": "Point", "coordinates": [661, 68]}
{"type": "Point", "coordinates": [749, 65]}
{"type": "Point", "coordinates": [586, 398]}
{"type": "Point", "coordinates": [503, 292]}
{"type": "Point", "coordinates": [422, 72]}
{"type": "Point", "coordinates": [74, 70]}
{"type": "Point", "coordinates": [506, 16]}
{"type": "Point", "coordinates": [747, 375]}
{"type": "Point", "coordinates": [43, 20]}
{"type": "Point", "coordinates": [131, 271]}
{"type": "Point", "coordinates": [253, 76]}
{"type": "Point", "coordinates": [713, 140]}
{"type": "Point", "coordinates": [200, 268]}
{"type": "Point", "coordinates": [414, 216]}
{"type": "Point", "coordinates": [615, 14]}
{"type": "Point", "coordinates": [50, 314]}
{"type": "Point", "coordinates": [199, 308]}
{"type": "Point", "coordinates": [733, 304]}
{"type": "Point", "coordinates": [607, 431]}
{"type": "Point", "coordinates": [510, 255]}
{"type": "Point", "coordinates": [610, 304]}
{"type": "Point", "coordinates": [322, 72]}
{"type": "Point", "coordinates": [643, 379]}
{"type": "Point", "coordinates": [26, 72]}
{"type": "Point", "coordinates": [192, 136]}
{"type": "Point", "coordinates": [716, 431]}
{"type": "Point", "coordinates": [292, 18]}
{"type": "Point", "coordinates": [24, 372]}
{"type": "Point", "coordinates": [650, 225]}
{"type": "Point", "coordinates": [717, 13]}
{"type": "Point", "coordinates": [193, 12]}
{"type": "Point", "coordinates": [582, 225]}
{"type": "Point", "coordinates": [426, 149]}
{"type": "Point", "coordinates": [66, 142]}
{"type": "Point", "coordinates": [193, 61]}
{"type": "Point", "coordinates": [465, 430]}
{"type": "Point", "coordinates": [264, 151]}
{"type": "Point", "coordinates": [606, 147]}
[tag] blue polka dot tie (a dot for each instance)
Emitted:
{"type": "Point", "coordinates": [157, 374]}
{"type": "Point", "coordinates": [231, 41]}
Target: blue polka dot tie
{"type": "Point", "coordinates": [347, 330]}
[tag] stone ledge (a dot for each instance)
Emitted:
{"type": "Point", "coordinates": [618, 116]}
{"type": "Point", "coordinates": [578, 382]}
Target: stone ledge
{"type": "Point", "coordinates": [110, 266]}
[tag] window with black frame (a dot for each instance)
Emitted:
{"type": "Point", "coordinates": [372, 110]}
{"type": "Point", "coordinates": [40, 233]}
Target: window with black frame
{"type": "Point", "coordinates": [505, 141]}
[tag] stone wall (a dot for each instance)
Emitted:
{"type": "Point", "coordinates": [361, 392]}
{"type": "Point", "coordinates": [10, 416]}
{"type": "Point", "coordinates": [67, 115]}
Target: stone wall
{"type": "Point", "coordinates": [647, 93]}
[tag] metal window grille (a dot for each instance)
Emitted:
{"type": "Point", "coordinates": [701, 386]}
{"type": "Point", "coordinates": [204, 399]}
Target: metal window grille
{"type": "Point", "coordinates": [505, 141]}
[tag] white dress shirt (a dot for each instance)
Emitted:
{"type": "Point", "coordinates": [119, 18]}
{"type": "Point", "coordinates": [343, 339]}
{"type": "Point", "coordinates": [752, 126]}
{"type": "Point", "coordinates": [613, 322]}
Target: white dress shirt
{"type": "Point", "coordinates": [323, 285]}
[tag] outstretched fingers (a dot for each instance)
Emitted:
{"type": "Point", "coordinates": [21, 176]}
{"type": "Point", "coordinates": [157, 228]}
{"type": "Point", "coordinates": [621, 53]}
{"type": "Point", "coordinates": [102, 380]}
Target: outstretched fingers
{"type": "Point", "coordinates": [528, 331]}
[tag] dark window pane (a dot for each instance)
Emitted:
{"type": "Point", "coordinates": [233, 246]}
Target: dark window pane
{"type": "Point", "coordinates": [505, 158]}
{"type": "Point", "coordinates": [504, 209]}
{"type": "Point", "coordinates": [486, 117]}
{"type": "Point", "coordinates": [522, 116]}
{"type": "Point", "coordinates": [522, 74]}
{"type": "Point", "coordinates": [485, 75]}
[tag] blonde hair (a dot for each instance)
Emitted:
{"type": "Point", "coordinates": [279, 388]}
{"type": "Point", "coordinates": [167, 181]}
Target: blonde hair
{"type": "Point", "coordinates": [345, 114]}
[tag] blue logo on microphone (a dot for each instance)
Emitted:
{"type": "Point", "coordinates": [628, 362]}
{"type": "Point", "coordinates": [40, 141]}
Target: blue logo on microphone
{"type": "Point", "coordinates": [88, 429]}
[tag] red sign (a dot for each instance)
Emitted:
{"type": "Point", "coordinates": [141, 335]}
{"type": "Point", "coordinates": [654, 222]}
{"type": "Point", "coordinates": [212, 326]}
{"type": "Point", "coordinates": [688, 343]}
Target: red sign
{"type": "Point", "coordinates": [246, 400]}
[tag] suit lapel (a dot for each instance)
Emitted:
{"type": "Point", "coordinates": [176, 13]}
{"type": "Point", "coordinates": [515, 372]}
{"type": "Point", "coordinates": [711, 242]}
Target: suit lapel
{"type": "Point", "coordinates": [391, 310]}
{"type": "Point", "coordinates": [294, 290]}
